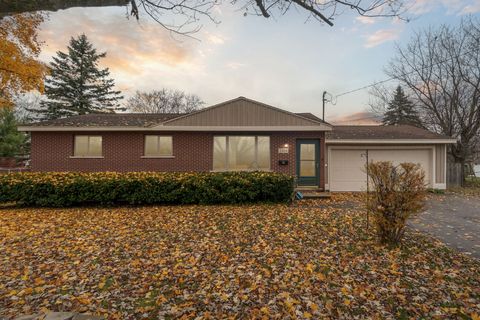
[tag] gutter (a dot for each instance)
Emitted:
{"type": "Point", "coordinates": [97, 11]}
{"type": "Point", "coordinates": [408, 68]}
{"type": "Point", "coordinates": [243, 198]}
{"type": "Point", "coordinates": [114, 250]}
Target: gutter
{"type": "Point", "coordinates": [177, 128]}
{"type": "Point", "coordinates": [390, 141]}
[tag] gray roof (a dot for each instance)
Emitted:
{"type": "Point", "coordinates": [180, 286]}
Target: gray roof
{"type": "Point", "coordinates": [310, 116]}
{"type": "Point", "coordinates": [124, 120]}
{"type": "Point", "coordinates": [111, 120]}
{"type": "Point", "coordinates": [377, 132]}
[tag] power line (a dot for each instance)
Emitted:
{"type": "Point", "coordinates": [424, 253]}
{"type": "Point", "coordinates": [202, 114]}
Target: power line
{"type": "Point", "coordinates": [364, 87]}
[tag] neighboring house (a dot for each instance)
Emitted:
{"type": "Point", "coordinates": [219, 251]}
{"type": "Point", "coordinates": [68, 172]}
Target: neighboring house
{"type": "Point", "coordinates": [240, 134]}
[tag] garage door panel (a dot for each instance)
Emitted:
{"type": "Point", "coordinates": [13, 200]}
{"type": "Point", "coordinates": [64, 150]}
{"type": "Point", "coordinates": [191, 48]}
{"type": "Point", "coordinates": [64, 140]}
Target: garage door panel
{"type": "Point", "coordinates": [347, 171]}
{"type": "Point", "coordinates": [417, 156]}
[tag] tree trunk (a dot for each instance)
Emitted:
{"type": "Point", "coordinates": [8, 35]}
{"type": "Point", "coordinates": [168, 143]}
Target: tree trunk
{"type": "Point", "coordinates": [20, 6]}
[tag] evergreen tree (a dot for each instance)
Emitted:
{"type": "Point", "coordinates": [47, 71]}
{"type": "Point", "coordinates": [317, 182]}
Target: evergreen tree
{"type": "Point", "coordinates": [401, 111]}
{"type": "Point", "coordinates": [11, 140]}
{"type": "Point", "coordinates": [76, 84]}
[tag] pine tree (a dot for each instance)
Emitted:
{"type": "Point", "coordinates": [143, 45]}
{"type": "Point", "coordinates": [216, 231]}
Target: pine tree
{"type": "Point", "coordinates": [76, 84]}
{"type": "Point", "coordinates": [11, 140]}
{"type": "Point", "coordinates": [401, 111]}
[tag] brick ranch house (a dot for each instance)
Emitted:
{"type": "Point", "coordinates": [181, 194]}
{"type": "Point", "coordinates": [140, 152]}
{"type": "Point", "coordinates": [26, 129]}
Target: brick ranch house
{"type": "Point", "coordinates": [239, 134]}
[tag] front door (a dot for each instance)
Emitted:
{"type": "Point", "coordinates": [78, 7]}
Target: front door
{"type": "Point", "coordinates": [308, 155]}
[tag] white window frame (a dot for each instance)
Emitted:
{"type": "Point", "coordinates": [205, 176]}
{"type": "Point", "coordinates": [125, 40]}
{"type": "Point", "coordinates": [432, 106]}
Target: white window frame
{"type": "Point", "coordinates": [158, 141]}
{"type": "Point", "coordinates": [227, 148]}
{"type": "Point", "coordinates": [88, 146]}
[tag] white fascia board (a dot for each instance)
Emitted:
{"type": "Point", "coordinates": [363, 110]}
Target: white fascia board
{"type": "Point", "coordinates": [178, 128]}
{"type": "Point", "coordinates": [390, 141]}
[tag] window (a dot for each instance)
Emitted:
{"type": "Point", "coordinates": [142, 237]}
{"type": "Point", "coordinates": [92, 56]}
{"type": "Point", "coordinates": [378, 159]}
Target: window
{"type": "Point", "coordinates": [158, 146]}
{"type": "Point", "coordinates": [239, 153]}
{"type": "Point", "coordinates": [88, 146]}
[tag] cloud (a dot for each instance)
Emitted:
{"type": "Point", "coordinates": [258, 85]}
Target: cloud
{"type": "Point", "coordinates": [472, 8]}
{"type": "Point", "coordinates": [366, 20]}
{"type": "Point", "coordinates": [459, 7]}
{"type": "Point", "coordinates": [235, 65]}
{"type": "Point", "coordinates": [215, 39]}
{"type": "Point", "coordinates": [381, 36]}
{"type": "Point", "coordinates": [132, 47]}
{"type": "Point", "coordinates": [358, 118]}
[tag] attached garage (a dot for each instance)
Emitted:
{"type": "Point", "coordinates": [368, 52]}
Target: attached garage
{"type": "Point", "coordinates": [349, 147]}
{"type": "Point", "coordinates": [347, 165]}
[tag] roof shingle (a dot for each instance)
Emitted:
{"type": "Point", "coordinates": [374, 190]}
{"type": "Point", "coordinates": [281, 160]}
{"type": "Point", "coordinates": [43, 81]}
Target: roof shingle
{"type": "Point", "coordinates": [377, 132]}
{"type": "Point", "coordinates": [124, 120]}
{"type": "Point", "coordinates": [345, 132]}
{"type": "Point", "coordinates": [111, 120]}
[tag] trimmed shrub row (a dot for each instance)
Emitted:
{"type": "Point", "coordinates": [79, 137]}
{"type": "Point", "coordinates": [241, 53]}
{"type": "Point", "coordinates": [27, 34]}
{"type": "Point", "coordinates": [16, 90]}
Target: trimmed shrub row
{"type": "Point", "coordinates": [63, 189]}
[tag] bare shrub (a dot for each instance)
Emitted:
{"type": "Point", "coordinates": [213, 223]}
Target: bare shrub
{"type": "Point", "coordinates": [398, 192]}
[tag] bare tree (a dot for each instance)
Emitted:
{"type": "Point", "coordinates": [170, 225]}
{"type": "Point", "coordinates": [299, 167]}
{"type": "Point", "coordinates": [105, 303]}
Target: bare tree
{"type": "Point", "coordinates": [379, 97]}
{"type": "Point", "coordinates": [164, 101]}
{"type": "Point", "coordinates": [441, 68]}
{"type": "Point", "coordinates": [24, 104]}
{"type": "Point", "coordinates": [188, 13]}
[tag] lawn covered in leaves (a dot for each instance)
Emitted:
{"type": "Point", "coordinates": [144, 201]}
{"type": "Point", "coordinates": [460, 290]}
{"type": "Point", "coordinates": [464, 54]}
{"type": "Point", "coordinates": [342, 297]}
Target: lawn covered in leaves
{"type": "Point", "coordinates": [313, 260]}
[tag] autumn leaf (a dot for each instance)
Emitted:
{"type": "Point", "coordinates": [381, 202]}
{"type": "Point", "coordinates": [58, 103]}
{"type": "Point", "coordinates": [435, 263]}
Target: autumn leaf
{"type": "Point", "coordinates": [39, 281]}
{"type": "Point", "coordinates": [309, 267]}
{"type": "Point", "coordinates": [84, 299]}
{"type": "Point", "coordinates": [475, 316]}
{"type": "Point", "coordinates": [265, 310]}
{"type": "Point", "coordinates": [20, 71]}
{"type": "Point", "coordinates": [308, 260]}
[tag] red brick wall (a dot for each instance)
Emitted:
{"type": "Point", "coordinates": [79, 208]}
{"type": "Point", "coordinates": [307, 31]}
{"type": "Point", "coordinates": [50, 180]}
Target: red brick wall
{"type": "Point", "coordinates": [122, 151]}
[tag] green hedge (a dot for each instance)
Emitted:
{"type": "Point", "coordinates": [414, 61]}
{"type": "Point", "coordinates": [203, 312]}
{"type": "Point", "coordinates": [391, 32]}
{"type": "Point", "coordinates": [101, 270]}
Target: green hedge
{"type": "Point", "coordinates": [62, 189]}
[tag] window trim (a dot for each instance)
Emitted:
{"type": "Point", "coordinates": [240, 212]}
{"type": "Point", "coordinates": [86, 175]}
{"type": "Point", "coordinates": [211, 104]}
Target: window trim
{"type": "Point", "coordinates": [74, 156]}
{"type": "Point", "coordinates": [158, 156]}
{"type": "Point", "coordinates": [227, 156]}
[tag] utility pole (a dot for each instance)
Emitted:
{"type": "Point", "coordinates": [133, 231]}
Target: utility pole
{"type": "Point", "coordinates": [324, 99]}
{"type": "Point", "coordinates": [368, 186]}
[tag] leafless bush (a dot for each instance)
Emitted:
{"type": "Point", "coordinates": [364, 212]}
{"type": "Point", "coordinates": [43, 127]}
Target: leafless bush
{"type": "Point", "coordinates": [398, 192]}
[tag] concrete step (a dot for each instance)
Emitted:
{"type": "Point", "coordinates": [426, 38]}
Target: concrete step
{"type": "Point", "coordinates": [309, 194]}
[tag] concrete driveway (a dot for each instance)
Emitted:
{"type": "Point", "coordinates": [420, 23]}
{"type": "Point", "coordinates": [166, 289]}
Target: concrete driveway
{"type": "Point", "coordinates": [453, 219]}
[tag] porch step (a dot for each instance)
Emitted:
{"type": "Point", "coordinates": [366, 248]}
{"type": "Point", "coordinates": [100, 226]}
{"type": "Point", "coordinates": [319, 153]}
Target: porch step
{"type": "Point", "coordinates": [309, 194]}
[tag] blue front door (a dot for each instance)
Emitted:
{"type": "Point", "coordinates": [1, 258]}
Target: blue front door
{"type": "Point", "coordinates": [307, 156]}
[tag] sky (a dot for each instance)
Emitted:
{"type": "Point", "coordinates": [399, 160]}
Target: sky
{"type": "Point", "coordinates": [284, 61]}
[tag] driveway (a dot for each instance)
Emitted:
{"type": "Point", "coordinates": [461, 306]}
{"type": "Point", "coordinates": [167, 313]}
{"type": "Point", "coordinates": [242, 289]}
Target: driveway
{"type": "Point", "coordinates": [454, 219]}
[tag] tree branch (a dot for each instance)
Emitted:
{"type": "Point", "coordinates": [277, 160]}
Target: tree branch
{"type": "Point", "coordinates": [262, 8]}
{"type": "Point", "coordinates": [314, 11]}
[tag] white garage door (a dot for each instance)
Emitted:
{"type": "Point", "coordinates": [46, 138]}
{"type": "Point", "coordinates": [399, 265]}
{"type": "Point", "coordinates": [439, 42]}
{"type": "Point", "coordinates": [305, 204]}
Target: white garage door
{"type": "Point", "coordinates": [346, 166]}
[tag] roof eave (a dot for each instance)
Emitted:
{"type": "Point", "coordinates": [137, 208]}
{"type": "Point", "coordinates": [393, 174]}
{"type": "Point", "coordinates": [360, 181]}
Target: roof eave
{"type": "Point", "coordinates": [390, 141]}
{"type": "Point", "coordinates": [320, 127]}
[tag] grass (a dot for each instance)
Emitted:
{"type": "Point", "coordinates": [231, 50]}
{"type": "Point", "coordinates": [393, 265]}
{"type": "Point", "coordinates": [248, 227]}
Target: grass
{"type": "Point", "coordinates": [471, 188]}
{"type": "Point", "coordinates": [312, 260]}
{"type": "Point", "coordinates": [472, 182]}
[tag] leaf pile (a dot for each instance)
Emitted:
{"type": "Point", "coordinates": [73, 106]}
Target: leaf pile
{"type": "Point", "coordinates": [218, 262]}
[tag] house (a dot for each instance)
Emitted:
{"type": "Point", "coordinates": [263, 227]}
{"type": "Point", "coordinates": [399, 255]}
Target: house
{"type": "Point", "coordinates": [239, 134]}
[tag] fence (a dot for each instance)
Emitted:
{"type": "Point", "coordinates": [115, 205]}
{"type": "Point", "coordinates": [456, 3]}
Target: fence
{"type": "Point", "coordinates": [454, 175]}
